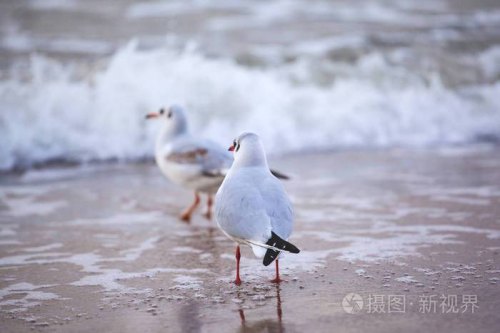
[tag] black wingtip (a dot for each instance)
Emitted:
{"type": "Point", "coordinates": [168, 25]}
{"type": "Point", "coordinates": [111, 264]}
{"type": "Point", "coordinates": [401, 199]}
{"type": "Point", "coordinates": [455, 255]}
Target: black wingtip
{"type": "Point", "coordinates": [293, 249]}
{"type": "Point", "coordinates": [270, 256]}
{"type": "Point", "coordinates": [279, 175]}
{"type": "Point", "coordinates": [279, 243]}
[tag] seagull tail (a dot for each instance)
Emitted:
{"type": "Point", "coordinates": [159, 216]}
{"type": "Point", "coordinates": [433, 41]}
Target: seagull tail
{"type": "Point", "coordinates": [279, 175]}
{"type": "Point", "coordinates": [275, 245]}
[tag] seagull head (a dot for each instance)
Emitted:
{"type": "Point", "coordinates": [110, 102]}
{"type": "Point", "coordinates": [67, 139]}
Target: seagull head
{"type": "Point", "coordinates": [248, 150]}
{"type": "Point", "coordinates": [174, 117]}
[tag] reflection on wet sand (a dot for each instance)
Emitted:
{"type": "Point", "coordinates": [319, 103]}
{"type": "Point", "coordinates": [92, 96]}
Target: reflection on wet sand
{"type": "Point", "coordinates": [189, 315]}
{"type": "Point", "coordinates": [265, 325]}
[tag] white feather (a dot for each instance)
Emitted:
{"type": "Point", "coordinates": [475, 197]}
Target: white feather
{"type": "Point", "coordinates": [191, 162]}
{"type": "Point", "coordinates": [251, 202]}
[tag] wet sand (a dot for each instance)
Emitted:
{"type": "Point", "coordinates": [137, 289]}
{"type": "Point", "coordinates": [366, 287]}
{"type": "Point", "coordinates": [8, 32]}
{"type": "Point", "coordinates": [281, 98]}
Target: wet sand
{"type": "Point", "coordinates": [99, 248]}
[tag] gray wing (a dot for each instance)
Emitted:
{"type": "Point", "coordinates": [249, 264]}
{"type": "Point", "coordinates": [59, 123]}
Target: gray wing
{"type": "Point", "coordinates": [250, 209]}
{"type": "Point", "coordinates": [212, 159]}
{"type": "Point", "coordinates": [278, 207]}
{"type": "Point", "coordinates": [240, 210]}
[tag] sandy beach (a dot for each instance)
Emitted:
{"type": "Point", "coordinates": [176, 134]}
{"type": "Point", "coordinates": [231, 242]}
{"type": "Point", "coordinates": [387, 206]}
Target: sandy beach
{"type": "Point", "coordinates": [414, 233]}
{"type": "Point", "coordinates": [385, 113]}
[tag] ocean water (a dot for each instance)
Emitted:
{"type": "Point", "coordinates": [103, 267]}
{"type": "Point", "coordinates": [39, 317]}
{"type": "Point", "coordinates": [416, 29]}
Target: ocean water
{"type": "Point", "coordinates": [77, 77]}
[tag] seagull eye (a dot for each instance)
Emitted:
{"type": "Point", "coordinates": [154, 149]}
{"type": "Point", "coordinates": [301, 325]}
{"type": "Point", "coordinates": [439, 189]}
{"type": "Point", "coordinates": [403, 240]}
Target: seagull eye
{"type": "Point", "coordinates": [169, 114]}
{"type": "Point", "coordinates": [162, 111]}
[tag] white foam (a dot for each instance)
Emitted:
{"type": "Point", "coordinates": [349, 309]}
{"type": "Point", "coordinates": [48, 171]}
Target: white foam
{"type": "Point", "coordinates": [8, 230]}
{"type": "Point", "coordinates": [185, 249]}
{"type": "Point", "coordinates": [101, 116]}
{"type": "Point", "coordinates": [9, 242]}
{"type": "Point", "coordinates": [15, 39]}
{"type": "Point", "coordinates": [96, 268]}
{"type": "Point", "coordinates": [159, 9]}
{"type": "Point", "coordinates": [22, 201]}
{"type": "Point", "coordinates": [120, 219]}
{"type": "Point", "coordinates": [110, 279]}
{"type": "Point", "coordinates": [479, 191]}
{"type": "Point", "coordinates": [27, 206]}
{"type": "Point", "coordinates": [493, 271]}
{"type": "Point", "coordinates": [85, 46]}
{"type": "Point", "coordinates": [52, 4]}
{"type": "Point", "coordinates": [406, 279]}
{"type": "Point", "coordinates": [388, 241]}
{"type": "Point", "coordinates": [475, 196]}
{"type": "Point", "coordinates": [135, 253]}
{"type": "Point", "coordinates": [490, 62]}
{"type": "Point", "coordinates": [324, 45]}
{"type": "Point", "coordinates": [428, 271]}
{"type": "Point", "coordinates": [186, 282]}
{"type": "Point", "coordinates": [33, 258]}
{"type": "Point", "coordinates": [32, 296]}
{"type": "Point", "coordinates": [42, 248]}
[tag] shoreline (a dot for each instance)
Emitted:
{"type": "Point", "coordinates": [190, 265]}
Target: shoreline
{"type": "Point", "coordinates": [62, 163]}
{"type": "Point", "coordinates": [101, 248]}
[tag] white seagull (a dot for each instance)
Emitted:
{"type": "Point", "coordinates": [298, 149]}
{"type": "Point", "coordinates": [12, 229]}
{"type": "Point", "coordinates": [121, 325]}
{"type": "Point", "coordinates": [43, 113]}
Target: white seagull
{"type": "Point", "coordinates": [251, 206]}
{"type": "Point", "coordinates": [195, 163]}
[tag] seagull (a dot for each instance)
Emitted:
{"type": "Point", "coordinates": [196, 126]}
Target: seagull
{"type": "Point", "coordinates": [252, 207]}
{"type": "Point", "coordinates": [195, 163]}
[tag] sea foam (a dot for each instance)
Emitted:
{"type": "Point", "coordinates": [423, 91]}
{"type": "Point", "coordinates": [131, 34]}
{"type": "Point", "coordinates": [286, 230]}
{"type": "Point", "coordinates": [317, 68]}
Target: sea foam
{"type": "Point", "coordinates": [54, 111]}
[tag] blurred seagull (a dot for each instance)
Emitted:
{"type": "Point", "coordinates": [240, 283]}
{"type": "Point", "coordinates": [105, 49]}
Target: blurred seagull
{"type": "Point", "coordinates": [251, 206]}
{"type": "Point", "coordinates": [195, 163]}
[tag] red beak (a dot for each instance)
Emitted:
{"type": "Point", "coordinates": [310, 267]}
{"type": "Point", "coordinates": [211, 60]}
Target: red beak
{"type": "Point", "coordinates": [152, 115]}
{"type": "Point", "coordinates": [231, 148]}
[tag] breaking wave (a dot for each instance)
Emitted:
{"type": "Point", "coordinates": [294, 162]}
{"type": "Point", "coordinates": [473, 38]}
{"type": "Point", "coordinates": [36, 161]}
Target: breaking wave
{"type": "Point", "coordinates": [55, 111]}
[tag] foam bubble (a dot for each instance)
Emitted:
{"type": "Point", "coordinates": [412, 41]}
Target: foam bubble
{"type": "Point", "coordinates": [31, 296]}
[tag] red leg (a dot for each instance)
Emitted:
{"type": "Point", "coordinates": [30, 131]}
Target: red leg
{"type": "Point", "coordinates": [278, 304]}
{"type": "Point", "coordinates": [242, 316]}
{"type": "Point", "coordinates": [238, 256]}
{"type": "Point", "coordinates": [277, 278]}
{"type": "Point", "coordinates": [208, 213]}
{"type": "Point", "coordinates": [186, 215]}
